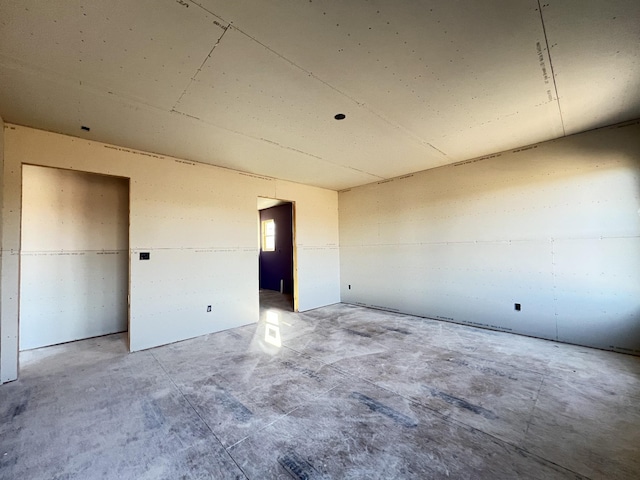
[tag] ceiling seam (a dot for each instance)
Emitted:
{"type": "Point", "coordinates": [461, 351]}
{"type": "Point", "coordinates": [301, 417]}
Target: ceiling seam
{"type": "Point", "coordinates": [230, 25]}
{"type": "Point", "coordinates": [195, 162]}
{"type": "Point", "coordinates": [199, 5]}
{"type": "Point", "coordinates": [19, 65]}
{"type": "Point", "coordinates": [193, 78]}
{"type": "Point", "coordinates": [271, 142]}
{"type": "Point", "coordinates": [319, 158]}
{"type": "Point", "coordinates": [553, 75]}
{"type": "Point", "coordinates": [436, 148]}
{"type": "Point", "coordinates": [397, 126]}
{"type": "Point", "coordinates": [311, 155]}
{"type": "Point", "coordinates": [100, 91]}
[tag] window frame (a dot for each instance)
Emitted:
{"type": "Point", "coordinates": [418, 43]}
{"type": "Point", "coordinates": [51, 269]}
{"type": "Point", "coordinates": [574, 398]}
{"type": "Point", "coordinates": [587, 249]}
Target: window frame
{"type": "Point", "coordinates": [266, 236]}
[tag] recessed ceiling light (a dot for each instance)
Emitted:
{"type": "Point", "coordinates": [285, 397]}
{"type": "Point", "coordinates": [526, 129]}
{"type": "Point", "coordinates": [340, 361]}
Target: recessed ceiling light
{"type": "Point", "coordinates": [340, 116]}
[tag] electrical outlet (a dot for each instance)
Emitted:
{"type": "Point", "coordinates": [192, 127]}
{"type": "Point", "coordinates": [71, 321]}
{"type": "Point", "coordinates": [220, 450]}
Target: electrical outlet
{"type": "Point", "coordinates": [208, 308]}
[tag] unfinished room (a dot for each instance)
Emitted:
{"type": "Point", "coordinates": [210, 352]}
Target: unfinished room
{"type": "Point", "coordinates": [312, 239]}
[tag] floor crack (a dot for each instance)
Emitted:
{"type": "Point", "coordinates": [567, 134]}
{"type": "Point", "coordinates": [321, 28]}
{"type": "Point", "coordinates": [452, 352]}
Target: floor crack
{"type": "Point", "coordinates": [534, 407]}
{"type": "Point", "coordinates": [197, 413]}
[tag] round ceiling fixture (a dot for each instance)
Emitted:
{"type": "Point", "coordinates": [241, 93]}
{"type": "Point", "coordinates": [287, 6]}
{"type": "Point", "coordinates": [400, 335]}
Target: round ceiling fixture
{"type": "Point", "coordinates": [340, 116]}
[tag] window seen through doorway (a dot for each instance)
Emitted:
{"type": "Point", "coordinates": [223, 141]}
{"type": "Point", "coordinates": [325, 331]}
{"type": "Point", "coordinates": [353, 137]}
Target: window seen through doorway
{"type": "Point", "coordinates": [268, 236]}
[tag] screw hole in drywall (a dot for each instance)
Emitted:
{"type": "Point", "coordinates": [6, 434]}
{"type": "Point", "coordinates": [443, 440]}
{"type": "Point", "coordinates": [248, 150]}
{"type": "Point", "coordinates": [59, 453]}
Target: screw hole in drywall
{"type": "Point", "coordinates": [340, 116]}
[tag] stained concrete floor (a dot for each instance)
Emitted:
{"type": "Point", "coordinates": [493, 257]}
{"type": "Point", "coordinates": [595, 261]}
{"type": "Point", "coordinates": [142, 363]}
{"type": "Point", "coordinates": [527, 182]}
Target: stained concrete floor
{"type": "Point", "coordinates": [338, 392]}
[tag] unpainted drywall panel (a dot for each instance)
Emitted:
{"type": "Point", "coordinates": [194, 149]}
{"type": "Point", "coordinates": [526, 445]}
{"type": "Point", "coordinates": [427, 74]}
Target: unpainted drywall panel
{"type": "Point", "coordinates": [198, 223]}
{"type": "Point", "coordinates": [554, 228]}
{"type": "Point", "coordinates": [146, 51]}
{"type": "Point", "coordinates": [75, 211]}
{"type": "Point", "coordinates": [596, 60]}
{"type": "Point", "coordinates": [525, 126]}
{"type": "Point", "coordinates": [10, 258]}
{"type": "Point", "coordinates": [74, 256]}
{"type": "Point", "coordinates": [316, 243]}
{"type": "Point", "coordinates": [1, 182]}
{"type": "Point", "coordinates": [459, 282]}
{"type": "Point", "coordinates": [8, 288]}
{"type": "Point", "coordinates": [72, 295]}
{"type": "Point", "coordinates": [10, 295]}
{"type": "Point", "coordinates": [192, 214]}
{"type": "Point", "coordinates": [180, 284]}
{"type": "Point", "coordinates": [468, 77]}
{"type": "Point", "coordinates": [597, 289]}
{"type": "Point", "coordinates": [262, 82]}
{"type": "Point", "coordinates": [254, 85]}
{"type": "Point", "coordinates": [314, 226]}
{"type": "Point", "coordinates": [450, 204]}
{"type": "Point", "coordinates": [128, 122]}
{"type": "Point", "coordinates": [318, 285]}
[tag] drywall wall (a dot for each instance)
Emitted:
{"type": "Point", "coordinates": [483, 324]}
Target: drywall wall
{"type": "Point", "coordinates": [198, 224]}
{"type": "Point", "coordinates": [277, 266]}
{"type": "Point", "coordinates": [10, 260]}
{"type": "Point", "coordinates": [5, 333]}
{"type": "Point", "coordinates": [74, 269]}
{"type": "Point", "coordinates": [554, 227]}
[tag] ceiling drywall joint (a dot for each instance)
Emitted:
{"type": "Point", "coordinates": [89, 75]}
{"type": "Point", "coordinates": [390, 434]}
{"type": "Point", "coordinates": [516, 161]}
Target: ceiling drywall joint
{"type": "Point", "coordinates": [436, 148]}
{"type": "Point", "coordinates": [317, 157]}
{"type": "Point", "coordinates": [553, 75]}
{"type": "Point", "coordinates": [290, 148]}
{"type": "Point", "coordinates": [173, 110]}
{"type": "Point", "coordinates": [271, 142]}
{"type": "Point", "coordinates": [66, 81]}
{"type": "Point", "coordinates": [397, 126]}
{"type": "Point", "coordinates": [362, 171]}
{"type": "Point", "coordinates": [193, 78]}
{"type": "Point", "coordinates": [199, 5]}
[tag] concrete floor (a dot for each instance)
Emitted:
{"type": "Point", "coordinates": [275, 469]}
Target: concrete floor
{"type": "Point", "coordinates": [350, 393]}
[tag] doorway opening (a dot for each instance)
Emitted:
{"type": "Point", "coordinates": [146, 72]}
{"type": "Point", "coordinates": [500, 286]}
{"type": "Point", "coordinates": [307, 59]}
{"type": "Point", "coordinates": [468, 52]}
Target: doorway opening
{"type": "Point", "coordinates": [74, 262]}
{"type": "Point", "coordinates": [277, 257]}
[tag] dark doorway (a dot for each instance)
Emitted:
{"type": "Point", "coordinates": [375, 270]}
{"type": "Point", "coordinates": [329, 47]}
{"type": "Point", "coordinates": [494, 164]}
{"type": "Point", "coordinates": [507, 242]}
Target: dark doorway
{"type": "Point", "coordinates": [276, 250]}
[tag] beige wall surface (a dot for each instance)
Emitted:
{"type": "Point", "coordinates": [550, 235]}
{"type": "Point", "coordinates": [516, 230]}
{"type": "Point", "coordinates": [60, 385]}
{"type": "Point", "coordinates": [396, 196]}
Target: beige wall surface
{"type": "Point", "coordinates": [74, 270]}
{"type": "Point", "coordinates": [554, 227]}
{"type": "Point", "coordinates": [198, 223]}
{"type": "Point", "coordinates": [6, 331]}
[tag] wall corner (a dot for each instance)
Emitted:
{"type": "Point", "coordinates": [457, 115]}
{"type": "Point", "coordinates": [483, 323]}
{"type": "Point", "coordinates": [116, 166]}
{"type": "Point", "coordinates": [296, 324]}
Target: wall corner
{"type": "Point", "coordinates": [9, 268]}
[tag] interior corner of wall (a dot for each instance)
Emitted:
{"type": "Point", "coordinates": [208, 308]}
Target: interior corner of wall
{"type": "Point", "coordinates": [2, 176]}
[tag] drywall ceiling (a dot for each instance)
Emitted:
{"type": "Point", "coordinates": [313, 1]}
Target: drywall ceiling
{"type": "Point", "coordinates": [254, 85]}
